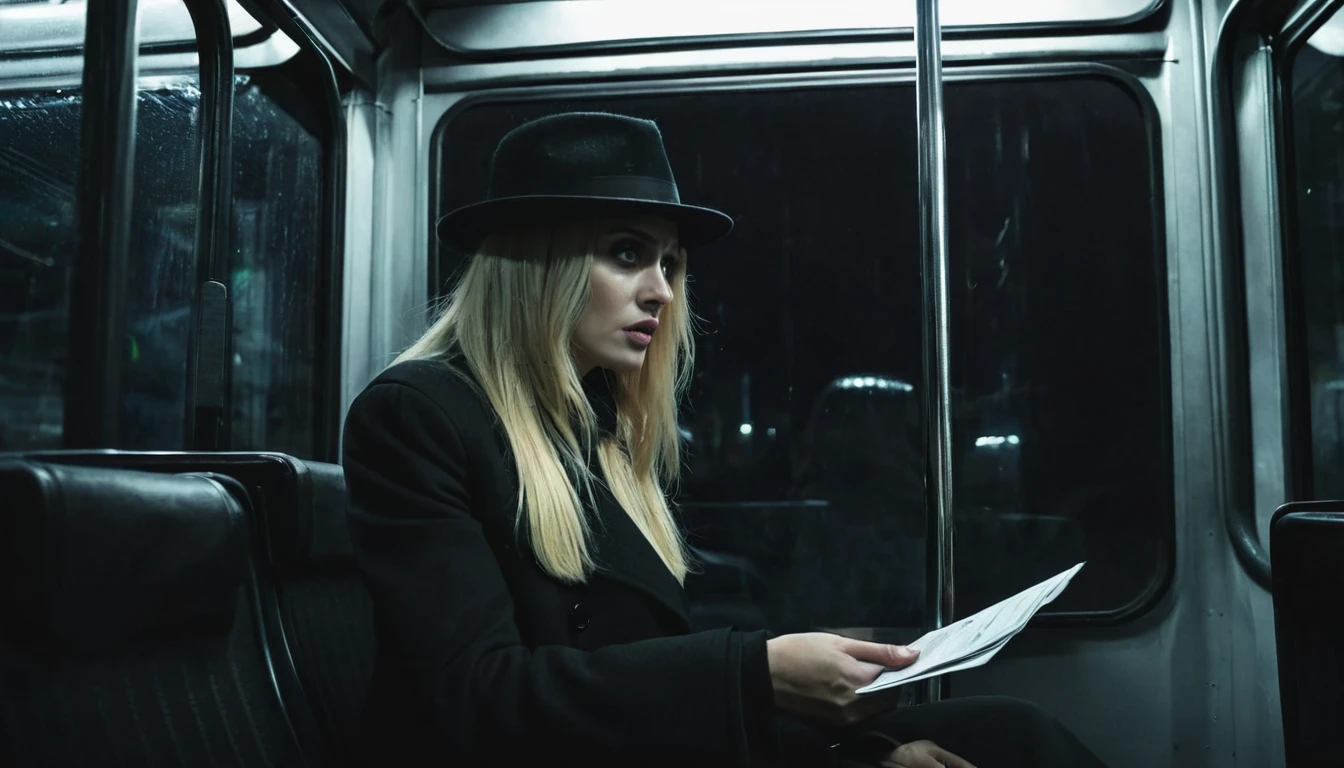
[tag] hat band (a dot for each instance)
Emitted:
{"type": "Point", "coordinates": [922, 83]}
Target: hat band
{"type": "Point", "coordinates": [626, 187]}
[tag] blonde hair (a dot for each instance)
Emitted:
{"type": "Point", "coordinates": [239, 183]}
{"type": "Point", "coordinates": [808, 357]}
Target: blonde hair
{"type": "Point", "coordinates": [512, 316]}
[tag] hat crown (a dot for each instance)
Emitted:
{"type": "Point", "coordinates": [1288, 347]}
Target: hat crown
{"type": "Point", "coordinates": [581, 153]}
{"type": "Point", "coordinates": [578, 164]}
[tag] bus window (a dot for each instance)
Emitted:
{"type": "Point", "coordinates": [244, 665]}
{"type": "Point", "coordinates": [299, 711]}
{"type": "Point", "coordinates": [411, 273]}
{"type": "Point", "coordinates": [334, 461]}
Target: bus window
{"type": "Point", "coordinates": [804, 427]}
{"type": "Point", "coordinates": [160, 268]}
{"type": "Point", "coordinates": [40, 161]}
{"type": "Point", "coordinates": [1316, 237]}
{"type": "Point", "coordinates": [273, 266]}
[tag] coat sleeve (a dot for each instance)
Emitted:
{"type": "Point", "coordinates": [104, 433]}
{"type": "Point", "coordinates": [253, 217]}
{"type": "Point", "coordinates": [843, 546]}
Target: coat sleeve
{"type": "Point", "coordinates": [444, 609]}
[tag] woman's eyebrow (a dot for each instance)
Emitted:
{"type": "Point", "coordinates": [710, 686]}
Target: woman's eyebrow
{"type": "Point", "coordinates": [649, 239]}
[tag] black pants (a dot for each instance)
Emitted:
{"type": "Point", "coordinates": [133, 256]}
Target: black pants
{"type": "Point", "coordinates": [988, 731]}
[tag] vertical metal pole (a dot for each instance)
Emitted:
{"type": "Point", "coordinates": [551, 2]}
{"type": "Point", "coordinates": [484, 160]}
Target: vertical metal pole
{"type": "Point", "coordinates": [208, 380]}
{"type": "Point", "coordinates": [98, 281]}
{"type": "Point", "coordinates": [937, 329]}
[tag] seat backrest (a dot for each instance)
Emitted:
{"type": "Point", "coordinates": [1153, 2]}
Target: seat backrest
{"type": "Point", "coordinates": [130, 635]}
{"type": "Point", "coordinates": [1307, 551]}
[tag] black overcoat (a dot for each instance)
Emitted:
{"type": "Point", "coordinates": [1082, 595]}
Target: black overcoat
{"type": "Point", "coordinates": [482, 655]}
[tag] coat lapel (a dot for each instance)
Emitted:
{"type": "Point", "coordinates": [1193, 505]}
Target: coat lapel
{"type": "Point", "coordinates": [623, 554]}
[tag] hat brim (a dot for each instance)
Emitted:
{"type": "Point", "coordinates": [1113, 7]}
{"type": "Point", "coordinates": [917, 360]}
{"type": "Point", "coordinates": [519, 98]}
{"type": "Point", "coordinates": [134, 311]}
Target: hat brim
{"type": "Point", "coordinates": [467, 226]}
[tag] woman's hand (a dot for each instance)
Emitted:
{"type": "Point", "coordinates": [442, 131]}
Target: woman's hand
{"type": "Point", "coordinates": [923, 754]}
{"type": "Point", "coordinates": [815, 675]}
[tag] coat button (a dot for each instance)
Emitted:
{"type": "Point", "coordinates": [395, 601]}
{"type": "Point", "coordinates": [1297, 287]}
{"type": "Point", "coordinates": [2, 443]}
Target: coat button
{"type": "Point", "coordinates": [579, 618]}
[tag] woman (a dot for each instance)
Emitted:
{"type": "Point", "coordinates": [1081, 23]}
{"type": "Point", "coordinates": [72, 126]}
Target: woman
{"type": "Point", "coordinates": [507, 480]}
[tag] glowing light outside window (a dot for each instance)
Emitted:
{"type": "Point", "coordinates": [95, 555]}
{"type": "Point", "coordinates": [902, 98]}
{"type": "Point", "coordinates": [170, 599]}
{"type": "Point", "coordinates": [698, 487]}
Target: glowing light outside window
{"type": "Point", "coordinates": [874, 382]}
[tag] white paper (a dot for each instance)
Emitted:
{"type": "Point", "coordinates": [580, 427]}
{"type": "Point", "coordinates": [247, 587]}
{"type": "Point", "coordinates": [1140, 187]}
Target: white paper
{"type": "Point", "coordinates": [974, 640]}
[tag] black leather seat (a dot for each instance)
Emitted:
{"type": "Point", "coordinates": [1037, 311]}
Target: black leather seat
{"type": "Point", "coordinates": [131, 634]}
{"type": "Point", "coordinates": [1307, 550]}
{"type": "Point", "coordinates": [313, 603]}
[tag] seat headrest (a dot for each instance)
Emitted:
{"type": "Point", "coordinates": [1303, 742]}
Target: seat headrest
{"type": "Point", "coordinates": [327, 535]}
{"type": "Point", "coordinates": [93, 558]}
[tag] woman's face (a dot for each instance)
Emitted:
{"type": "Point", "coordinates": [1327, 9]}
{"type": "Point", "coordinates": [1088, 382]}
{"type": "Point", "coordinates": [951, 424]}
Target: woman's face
{"type": "Point", "coordinates": [636, 260]}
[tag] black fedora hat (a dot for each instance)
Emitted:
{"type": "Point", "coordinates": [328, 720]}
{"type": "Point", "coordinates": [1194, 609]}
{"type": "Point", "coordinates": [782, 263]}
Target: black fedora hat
{"type": "Point", "coordinates": [577, 163]}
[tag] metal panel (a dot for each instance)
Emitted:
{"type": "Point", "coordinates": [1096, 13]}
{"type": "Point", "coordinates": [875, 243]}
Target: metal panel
{"type": "Point", "coordinates": [273, 51]}
{"type": "Point", "coordinates": [362, 117]}
{"type": "Point", "coordinates": [386, 281]}
{"type": "Point", "coordinates": [1240, 26]}
{"type": "Point", "coordinates": [38, 28]}
{"type": "Point", "coordinates": [441, 72]}
{"type": "Point", "coordinates": [1315, 23]}
{"type": "Point", "coordinates": [1258, 159]}
{"type": "Point", "coordinates": [62, 71]}
{"type": "Point", "coordinates": [551, 26]}
{"type": "Point", "coordinates": [332, 28]}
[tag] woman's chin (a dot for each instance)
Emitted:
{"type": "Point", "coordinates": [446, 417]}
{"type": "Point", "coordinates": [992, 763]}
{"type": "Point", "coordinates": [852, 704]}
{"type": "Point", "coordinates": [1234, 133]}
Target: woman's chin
{"type": "Point", "coordinates": [624, 362]}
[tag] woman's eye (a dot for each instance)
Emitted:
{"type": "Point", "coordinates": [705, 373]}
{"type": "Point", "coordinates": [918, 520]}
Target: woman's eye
{"type": "Point", "coordinates": [669, 266]}
{"type": "Point", "coordinates": [626, 254]}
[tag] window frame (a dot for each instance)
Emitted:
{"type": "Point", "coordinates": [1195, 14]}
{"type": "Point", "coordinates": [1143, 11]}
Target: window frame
{"type": "Point", "coordinates": [1161, 581]}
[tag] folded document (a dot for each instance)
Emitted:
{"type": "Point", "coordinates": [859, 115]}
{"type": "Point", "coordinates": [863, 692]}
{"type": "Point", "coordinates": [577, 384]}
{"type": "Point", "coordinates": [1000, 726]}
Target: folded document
{"type": "Point", "coordinates": [975, 639]}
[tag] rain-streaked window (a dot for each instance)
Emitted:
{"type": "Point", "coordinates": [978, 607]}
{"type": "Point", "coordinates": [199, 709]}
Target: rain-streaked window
{"type": "Point", "coordinates": [273, 265]}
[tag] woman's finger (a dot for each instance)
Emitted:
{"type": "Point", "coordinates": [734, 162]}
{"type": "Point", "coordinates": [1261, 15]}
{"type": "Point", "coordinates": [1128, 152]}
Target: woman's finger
{"type": "Point", "coordinates": [883, 654]}
{"type": "Point", "coordinates": [921, 760]}
{"type": "Point", "coordinates": [948, 759]}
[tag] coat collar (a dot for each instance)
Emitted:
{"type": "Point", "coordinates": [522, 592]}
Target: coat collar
{"type": "Point", "coordinates": [600, 387]}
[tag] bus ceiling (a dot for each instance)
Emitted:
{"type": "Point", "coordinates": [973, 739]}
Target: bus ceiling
{"type": "Point", "coordinates": [38, 37]}
{"type": "Point", "coordinates": [475, 28]}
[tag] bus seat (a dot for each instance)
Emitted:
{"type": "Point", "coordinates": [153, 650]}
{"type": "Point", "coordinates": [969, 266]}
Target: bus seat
{"type": "Point", "coordinates": [1307, 552]}
{"type": "Point", "coordinates": [130, 635]}
{"type": "Point", "coordinates": [314, 605]}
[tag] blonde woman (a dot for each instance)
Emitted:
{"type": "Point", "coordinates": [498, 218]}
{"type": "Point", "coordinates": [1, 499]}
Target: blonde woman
{"type": "Point", "coordinates": [507, 477]}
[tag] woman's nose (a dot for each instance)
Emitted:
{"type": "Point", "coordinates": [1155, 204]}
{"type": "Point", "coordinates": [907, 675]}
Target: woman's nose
{"type": "Point", "coordinates": [656, 291]}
